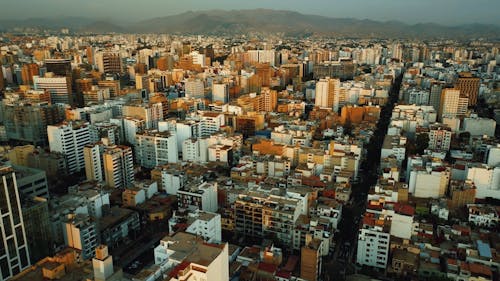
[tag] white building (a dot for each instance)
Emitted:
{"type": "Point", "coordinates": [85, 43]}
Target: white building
{"type": "Point", "coordinates": [185, 130]}
{"type": "Point", "coordinates": [493, 156]}
{"type": "Point", "coordinates": [486, 179]}
{"type": "Point", "coordinates": [394, 145]}
{"type": "Point", "coordinates": [59, 87]}
{"type": "Point", "coordinates": [220, 153]}
{"type": "Point", "coordinates": [328, 93]}
{"type": "Point", "coordinates": [429, 182]}
{"type": "Point", "coordinates": [484, 215]}
{"type": "Point", "coordinates": [187, 256]}
{"type": "Point", "coordinates": [211, 122]}
{"type": "Point", "coordinates": [479, 126]}
{"type": "Point", "coordinates": [373, 242]}
{"type": "Point", "coordinates": [69, 138]}
{"type": "Point", "coordinates": [202, 196]}
{"type": "Point", "coordinates": [203, 224]}
{"type": "Point", "coordinates": [153, 148]}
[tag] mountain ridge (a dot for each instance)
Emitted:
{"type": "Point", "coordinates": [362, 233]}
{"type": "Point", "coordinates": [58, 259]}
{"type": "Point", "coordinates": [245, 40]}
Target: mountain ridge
{"type": "Point", "coordinates": [230, 22]}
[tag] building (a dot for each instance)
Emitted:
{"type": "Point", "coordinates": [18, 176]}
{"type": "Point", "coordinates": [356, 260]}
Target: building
{"type": "Point", "coordinates": [394, 146]}
{"type": "Point", "coordinates": [258, 214]}
{"type": "Point", "coordinates": [102, 264]}
{"type": "Point", "coordinates": [311, 260]}
{"type": "Point", "coordinates": [327, 93]}
{"type": "Point", "coordinates": [38, 228]}
{"type": "Point", "coordinates": [374, 240]}
{"type": "Point", "coordinates": [153, 148]}
{"type": "Point", "coordinates": [118, 224]}
{"type": "Point", "coordinates": [439, 137]}
{"type": "Point", "coordinates": [194, 88]}
{"type": "Point", "coordinates": [15, 256]}
{"type": "Point", "coordinates": [69, 138]}
{"type": "Point", "coordinates": [186, 256]}
{"type": "Point", "coordinates": [27, 122]}
{"type": "Point", "coordinates": [429, 182]}
{"type": "Point", "coordinates": [80, 232]}
{"type": "Point", "coordinates": [150, 113]}
{"type": "Point", "coordinates": [109, 62]}
{"type": "Point", "coordinates": [60, 67]}
{"type": "Point", "coordinates": [28, 71]}
{"type": "Point", "coordinates": [453, 104]}
{"type": "Point", "coordinates": [93, 162]}
{"type": "Point", "coordinates": [31, 182]}
{"type": "Point", "coordinates": [118, 166]}
{"type": "Point", "coordinates": [221, 154]}
{"type": "Point", "coordinates": [59, 88]}
{"type": "Point", "coordinates": [201, 196]}
{"type": "Point", "coordinates": [468, 86]}
{"type": "Point", "coordinates": [479, 126]}
{"type": "Point", "coordinates": [220, 92]}
{"type": "Point", "coordinates": [203, 224]}
{"type": "Point", "coordinates": [211, 122]}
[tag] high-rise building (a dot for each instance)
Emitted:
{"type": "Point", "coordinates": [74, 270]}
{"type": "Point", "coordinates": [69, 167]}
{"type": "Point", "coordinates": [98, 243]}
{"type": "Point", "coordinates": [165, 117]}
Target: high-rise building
{"type": "Point", "coordinates": [59, 87]}
{"type": "Point", "coordinates": [435, 95]}
{"type": "Point", "coordinates": [60, 67]}
{"type": "Point", "coordinates": [28, 71]}
{"type": "Point", "coordinates": [468, 86]}
{"type": "Point", "coordinates": [25, 121]}
{"type": "Point", "coordinates": [453, 104]}
{"type": "Point", "coordinates": [220, 92]}
{"type": "Point", "coordinates": [327, 93]}
{"type": "Point", "coordinates": [93, 161]}
{"type": "Point", "coordinates": [118, 166]}
{"type": "Point", "coordinates": [153, 148]}
{"type": "Point", "coordinates": [69, 138]}
{"type": "Point", "coordinates": [194, 88]}
{"type": "Point", "coordinates": [38, 227]}
{"type": "Point", "coordinates": [14, 252]}
{"type": "Point", "coordinates": [109, 62]}
{"type": "Point", "coordinates": [310, 261]}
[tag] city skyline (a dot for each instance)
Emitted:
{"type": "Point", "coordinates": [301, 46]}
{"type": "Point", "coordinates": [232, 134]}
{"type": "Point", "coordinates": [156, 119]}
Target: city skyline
{"type": "Point", "coordinates": [446, 12]}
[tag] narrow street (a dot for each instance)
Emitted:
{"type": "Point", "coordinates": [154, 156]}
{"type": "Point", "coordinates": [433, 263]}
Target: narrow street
{"type": "Point", "coordinates": [343, 259]}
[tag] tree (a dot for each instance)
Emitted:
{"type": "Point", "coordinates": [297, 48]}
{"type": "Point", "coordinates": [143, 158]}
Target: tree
{"type": "Point", "coordinates": [421, 143]}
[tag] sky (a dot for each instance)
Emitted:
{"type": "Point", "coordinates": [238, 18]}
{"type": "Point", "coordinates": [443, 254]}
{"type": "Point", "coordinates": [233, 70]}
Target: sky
{"type": "Point", "coordinates": [448, 12]}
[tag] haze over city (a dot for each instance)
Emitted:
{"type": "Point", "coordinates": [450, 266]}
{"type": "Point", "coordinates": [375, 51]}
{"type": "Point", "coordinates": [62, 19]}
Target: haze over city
{"type": "Point", "coordinates": [449, 12]}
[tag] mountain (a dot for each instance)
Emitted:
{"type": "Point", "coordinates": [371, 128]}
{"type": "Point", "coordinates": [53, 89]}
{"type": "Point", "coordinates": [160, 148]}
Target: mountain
{"type": "Point", "coordinates": [229, 22]}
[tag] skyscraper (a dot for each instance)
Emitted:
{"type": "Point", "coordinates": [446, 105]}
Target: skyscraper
{"type": "Point", "coordinates": [327, 93]}
{"type": "Point", "coordinates": [14, 253]}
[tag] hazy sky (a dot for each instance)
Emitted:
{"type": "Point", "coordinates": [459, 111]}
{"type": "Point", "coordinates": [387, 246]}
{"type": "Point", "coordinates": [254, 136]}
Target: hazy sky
{"type": "Point", "coordinates": [410, 11]}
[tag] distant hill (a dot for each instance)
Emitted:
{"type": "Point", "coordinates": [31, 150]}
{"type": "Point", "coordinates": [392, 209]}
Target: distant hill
{"type": "Point", "coordinates": [229, 22]}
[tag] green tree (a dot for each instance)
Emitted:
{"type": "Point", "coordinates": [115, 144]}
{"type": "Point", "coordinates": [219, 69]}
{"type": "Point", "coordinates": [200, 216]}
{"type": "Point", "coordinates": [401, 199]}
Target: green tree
{"type": "Point", "coordinates": [421, 143]}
